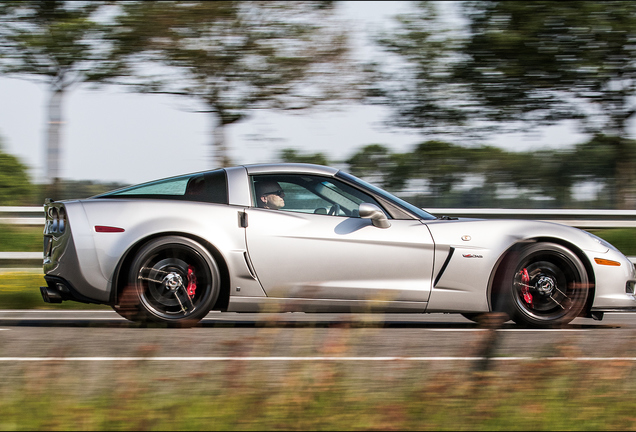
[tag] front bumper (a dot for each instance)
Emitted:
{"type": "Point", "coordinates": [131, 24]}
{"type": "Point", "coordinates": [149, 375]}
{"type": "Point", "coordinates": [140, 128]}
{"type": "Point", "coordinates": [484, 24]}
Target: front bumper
{"type": "Point", "coordinates": [615, 285]}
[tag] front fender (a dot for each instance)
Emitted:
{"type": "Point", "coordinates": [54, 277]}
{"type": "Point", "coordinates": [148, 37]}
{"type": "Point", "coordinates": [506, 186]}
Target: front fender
{"type": "Point", "coordinates": [479, 247]}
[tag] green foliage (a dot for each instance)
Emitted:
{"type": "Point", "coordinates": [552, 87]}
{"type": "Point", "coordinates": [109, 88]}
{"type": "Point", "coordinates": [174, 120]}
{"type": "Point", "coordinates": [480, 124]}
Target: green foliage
{"type": "Point", "coordinates": [377, 164]}
{"type": "Point", "coordinates": [233, 57]}
{"type": "Point", "coordinates": [15, 185]}
{"type": "Point", "coordinates": [292, 155]}
{"type": "Point", "coordinates": [55, 41]}
{"type": "Point", "coordinates": [16, 238]}
{"type": "Point", "coordinates": [441, 174]}
{"type": "Point", "coordinates": [59, 43]}
{"type": "Point", "coordinates": [624, 239]}
{"type": "Point", "coordinates": [517, 65]}
{"type": "Point", "coordinates": [544, 60]}
{"type": "Point", "coordinates": [76, 189]}
{"type": "Point", "coordinates": [416, 77]}
{"type": "Point", "coordinates": [21, 290]}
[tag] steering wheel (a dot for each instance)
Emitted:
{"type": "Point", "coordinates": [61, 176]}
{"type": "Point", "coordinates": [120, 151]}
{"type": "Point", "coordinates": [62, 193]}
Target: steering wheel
{"type": "Point", "coordinates": [335, 210]}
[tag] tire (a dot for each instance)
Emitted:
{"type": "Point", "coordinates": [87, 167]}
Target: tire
{"type": "Point", "coordinates": [545, 285]}
{"type": "Point", "coordinates": [486, 319]}
{"type": "Point", "coordinates": [172, 280]}
{"type": "Point", "coordinates": [129, 313]}
{"type": "Point", "coordinates": [472, 316]}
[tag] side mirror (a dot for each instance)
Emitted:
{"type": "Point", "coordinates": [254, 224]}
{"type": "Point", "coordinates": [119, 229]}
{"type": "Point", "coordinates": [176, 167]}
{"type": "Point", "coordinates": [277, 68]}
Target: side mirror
{"type": "Point", "coordinates": [373, 212]}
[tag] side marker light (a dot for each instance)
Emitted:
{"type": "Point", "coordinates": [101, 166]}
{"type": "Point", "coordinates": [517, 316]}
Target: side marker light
{"type": "Point", "coordinates": [601, 261]}
{"type": "Point", "coordinates": [107, 229]}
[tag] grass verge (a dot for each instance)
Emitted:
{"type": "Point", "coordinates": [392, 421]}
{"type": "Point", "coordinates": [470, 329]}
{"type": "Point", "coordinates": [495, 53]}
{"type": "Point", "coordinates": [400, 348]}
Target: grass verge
{"type": "Point", "coordinates": [624, 239]}
{"type": "Point", "coordinates": [143, 395]}
{"type": "Point", "coordinates": [21, 290]}
{"type": "Point", "coordinates": [18, 238]}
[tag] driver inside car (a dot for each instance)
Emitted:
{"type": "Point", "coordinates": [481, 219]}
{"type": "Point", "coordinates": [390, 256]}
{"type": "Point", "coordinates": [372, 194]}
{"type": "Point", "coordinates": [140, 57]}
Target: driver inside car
{"type": "Point", "coordinates": [270, 195]}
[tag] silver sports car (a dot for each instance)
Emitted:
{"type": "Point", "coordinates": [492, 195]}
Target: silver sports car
{"type": "Point", "coordinates": [300, 237]}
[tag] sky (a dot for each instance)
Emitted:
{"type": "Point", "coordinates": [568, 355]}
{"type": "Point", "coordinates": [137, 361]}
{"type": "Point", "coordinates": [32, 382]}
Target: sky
{"type": "Point", "coordinates": [111, 135]}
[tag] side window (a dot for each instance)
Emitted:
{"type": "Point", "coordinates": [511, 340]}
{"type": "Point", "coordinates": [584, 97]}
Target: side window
{"type": "Point", "coordinates": [206, 187]}
{"type": "Point", "coordinates": [308, 194]}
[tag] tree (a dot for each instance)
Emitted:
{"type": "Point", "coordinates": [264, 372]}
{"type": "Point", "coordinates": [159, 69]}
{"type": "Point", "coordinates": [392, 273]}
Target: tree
{"type": "Point", "coordinates": [442, 164]}
{"type": "Point", "coordinates": [233, 57]}
{"type": "Point", "coordinates": [416, 80]}
{"type": "Point", "coordinates": [292, 155]}
{"type": "Point", "coordinates": [518, 65]}
{"type": "Point", "coordinates": [15, 185]}
{"type": "Point", "coordinates": [596, 160]}
{"type": "Point", "coordinates": [545, 61]}
{"type": "Point", "coordinates": [454, 175]}
{"type": "Point", "coordinates": [54, 42]}
{"type": "Point", "coordinates": [374, 163]}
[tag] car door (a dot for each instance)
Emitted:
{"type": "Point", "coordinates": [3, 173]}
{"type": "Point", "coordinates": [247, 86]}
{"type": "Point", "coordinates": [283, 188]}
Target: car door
{"type": "Point", "coordinates": [317, 247]}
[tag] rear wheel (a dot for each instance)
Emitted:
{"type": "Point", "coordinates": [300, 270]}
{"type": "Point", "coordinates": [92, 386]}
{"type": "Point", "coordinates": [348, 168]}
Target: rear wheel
{"type": "Point", "coordinates": [173, 280]}
{"type": "Point", "coordinates": [545, 285]}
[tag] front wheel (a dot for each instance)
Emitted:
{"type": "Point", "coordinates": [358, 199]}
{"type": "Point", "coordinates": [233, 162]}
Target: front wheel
{"type": "Point", "coordinates": [175, 281]}
{"type": "Point", "coordinates": [546, 285]}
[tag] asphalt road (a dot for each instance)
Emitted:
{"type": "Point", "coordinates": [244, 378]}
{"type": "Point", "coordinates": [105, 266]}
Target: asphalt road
{"type": "Point", "coordinates": [28, 336]}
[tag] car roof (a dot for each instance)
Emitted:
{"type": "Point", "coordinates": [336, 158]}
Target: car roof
{"type": "Point", "coordinates": [304, 168]}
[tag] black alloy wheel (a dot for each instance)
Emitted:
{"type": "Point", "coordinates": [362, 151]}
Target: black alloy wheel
{"type": "Point", "coordinates": [546, 285]}
{"type": "Point", "coordinates": [176, 281]}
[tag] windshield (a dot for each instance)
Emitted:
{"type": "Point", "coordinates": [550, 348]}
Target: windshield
{"type": "Point", "coordinates": [384, 194]}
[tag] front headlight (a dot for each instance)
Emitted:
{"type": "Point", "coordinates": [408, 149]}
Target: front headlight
{"type": "Point", "coordinates": [602, 242]}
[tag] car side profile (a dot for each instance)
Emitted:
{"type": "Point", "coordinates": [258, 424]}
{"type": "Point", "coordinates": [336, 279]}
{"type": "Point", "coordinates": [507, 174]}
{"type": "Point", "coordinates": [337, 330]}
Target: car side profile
{"type": "Point", "coordinates": [302, 237]}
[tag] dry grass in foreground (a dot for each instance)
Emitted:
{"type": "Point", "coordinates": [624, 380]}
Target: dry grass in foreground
{"type": "Point", "coordinates": [398, 395]}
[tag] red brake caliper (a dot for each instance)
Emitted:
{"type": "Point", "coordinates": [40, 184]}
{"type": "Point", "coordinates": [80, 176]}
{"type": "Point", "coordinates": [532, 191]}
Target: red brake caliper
{"type": "Point", "coordinates": [525, 289]}
{"type": "Point", "coordinates": [192, 281]}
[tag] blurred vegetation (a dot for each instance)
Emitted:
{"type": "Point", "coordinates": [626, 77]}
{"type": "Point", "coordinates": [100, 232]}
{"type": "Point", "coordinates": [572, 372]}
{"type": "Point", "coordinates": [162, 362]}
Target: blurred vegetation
{"type": "Point", "coordinates": [294, 156]}
{"type": "Point", "coordinates": [624, 239]}
{"type": "Point", "coordinates": [21, 290]}
{"type": "Point", "coordinates": [21, 238]}
{"type": "Point", "coordinates": [433, 174]}
{"type": "Point", "coordinates": [503, 66]}
{"type": "Point", "coordinates": [228, 57]}
{"type": "Point", "coordinates": [330, 395]}
{"type": "Point", "coordinates": [441, 174]}
{"type": "Point", "coordinates": [56, 43]}
{"type": "Point", "coordinates": [515, 66]}
{"type": "Point", "coordinates": [77, 189]}
{"type": "Point", "coordinates": [15, 185]}
{"type": "Point", "coordinates": [232, 57]}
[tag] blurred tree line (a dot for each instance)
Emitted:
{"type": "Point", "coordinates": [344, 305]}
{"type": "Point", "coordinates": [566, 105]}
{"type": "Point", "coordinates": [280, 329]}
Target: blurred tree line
{"type": "Point", "coordinates": [441, 174]}
{"type": "Point", "coordinates": [433, 174]}
{"type": "Point", "coordinates": [499, 66]}
{"type": "Point", "coordinates": [227, 57]}
{"type": "Point", "coordinates": [15, 185]}
{"type": "Point", "coordinates": [518, 65]}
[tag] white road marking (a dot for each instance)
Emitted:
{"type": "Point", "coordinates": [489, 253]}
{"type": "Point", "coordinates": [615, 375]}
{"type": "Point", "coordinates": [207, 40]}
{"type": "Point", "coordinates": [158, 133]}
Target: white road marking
{"type": "Point", "coordinates": [52, 311]}
{"type": "Point", "coordinates": [317, 358]}
{"type": "Point", "coordinates": [230, 320]}
{"type": "Point", "coordinates": [508, 330]}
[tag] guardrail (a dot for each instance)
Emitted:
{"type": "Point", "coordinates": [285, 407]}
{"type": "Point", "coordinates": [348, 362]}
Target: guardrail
{"type": "Point", "coordinates": [22, 215]}
{"type": "Point", "coordinates": [580, 218]}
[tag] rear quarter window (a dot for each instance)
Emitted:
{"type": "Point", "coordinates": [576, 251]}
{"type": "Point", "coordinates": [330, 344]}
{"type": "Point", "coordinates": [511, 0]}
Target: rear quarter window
{"type": "Point", "coordinates": [205, 187]}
